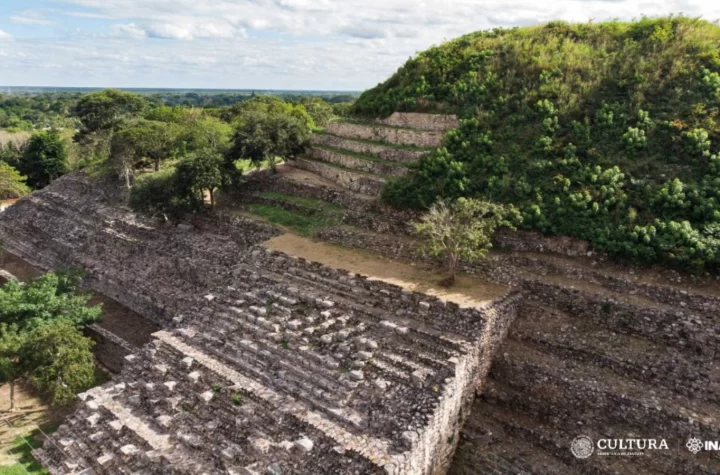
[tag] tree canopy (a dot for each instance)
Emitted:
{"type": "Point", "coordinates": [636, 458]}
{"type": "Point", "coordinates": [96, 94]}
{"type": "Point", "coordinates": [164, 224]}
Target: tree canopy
{"type": "Point", "coordinates": [462, 231]}
{"type": "Point", "coordinates": [12, 183]}
{"type": "Point", "coordinates": [45, 159]}
{"type": "Point", "coordinates": [606, 132]}
{"type": "Point", "coordinates": [106, 110]}
{"type": "Point", "coordinates": [41, 339]}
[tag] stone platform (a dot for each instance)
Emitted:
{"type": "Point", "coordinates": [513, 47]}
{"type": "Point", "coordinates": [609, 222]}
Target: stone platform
{"type": "Point", "coordinates": [266, 364]}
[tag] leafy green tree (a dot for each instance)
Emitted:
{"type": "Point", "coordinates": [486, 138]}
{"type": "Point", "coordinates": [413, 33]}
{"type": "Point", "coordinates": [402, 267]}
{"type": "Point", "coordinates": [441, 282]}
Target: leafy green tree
{"type": "Point", "coordinates": [149, 139]}
{"type": "Point", "coordinates": [12, 183]}
{"type": "Point", "coordinates": [106, 110]}
{"type": "Point", "coordinates": [159, 194]}
{"type": "Point", "coordinates": [198, 173]}
{"type": "Point", "coordinates": [45, 159]}
{"type": "Point", "coordinates": [200, 131]}
{"type": "Point", "coordinates": [320, 111]}
{"type": "Point", "coordinates": [462, 230]}
{"type": "Point", "coordinates": [263, 136]}
{"type": "Point", "coordinates": [269, 105]}
{"type": "Point", "coordinates": [40, 337]}
{"type": "Point", "coordinates": [46, 299]}
{"type": "Point", "coordinates": [58, 361]}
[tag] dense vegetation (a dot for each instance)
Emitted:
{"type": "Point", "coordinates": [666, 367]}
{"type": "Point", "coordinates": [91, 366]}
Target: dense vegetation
{"type": "Point", "coordinates": [41, 338]}
{"type": "Point", "coordinates": [607, 132]}
{"type": "Point", "coordinates": [121, 132]}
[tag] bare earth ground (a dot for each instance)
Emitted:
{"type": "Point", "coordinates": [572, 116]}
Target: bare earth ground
{"type": "Point", "coordinates": [11, 430]}
{"type": "Point", "coordinates": [468, 291]}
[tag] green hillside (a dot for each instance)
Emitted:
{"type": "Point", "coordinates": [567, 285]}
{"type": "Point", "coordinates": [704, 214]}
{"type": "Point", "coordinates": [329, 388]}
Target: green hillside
{"type": "Point", "coordinates": [607, 132]}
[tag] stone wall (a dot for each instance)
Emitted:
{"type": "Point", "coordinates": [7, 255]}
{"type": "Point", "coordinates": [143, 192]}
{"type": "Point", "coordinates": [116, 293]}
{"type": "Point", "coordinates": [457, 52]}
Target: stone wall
{"type": "Point", "coordinates": [386, 153]}
{"type": "Point", "coordinates": [354, 181]}
{"type": "Point", "coordinates": [416, 120]}
{"type": "Point", "coordinates": [110, 349]}
{"type": "Point", "coordinates": [457, 401]}
{"type": "Point", "coordinates": [420, 138]}
{"type": "Point", "coordinates": [537, 242]}
{"type": "Point", "coordinates": [366, 166]}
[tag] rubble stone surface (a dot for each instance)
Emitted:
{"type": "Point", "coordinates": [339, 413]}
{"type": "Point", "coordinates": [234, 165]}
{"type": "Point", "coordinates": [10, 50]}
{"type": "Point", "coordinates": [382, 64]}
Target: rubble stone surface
{"type": "Point", "coordinates": [266, 363]}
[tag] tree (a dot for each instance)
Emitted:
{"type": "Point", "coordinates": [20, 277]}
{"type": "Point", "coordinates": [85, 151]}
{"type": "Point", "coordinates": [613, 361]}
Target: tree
{"type": "Point", "coordinates": [462, 230]}
{"type": "Point", "coordinates": [45, 159]}
{"type": "Point", "coordinates": [264, 136]}
{"type": "Point", "coordinates": [200, 131]}
{"type": "Point", "coordinates": [200, 172]}
{"type": "Point", "coordinates": [12, 183]}
{"type": "Point", "coordinates": [147, 139]}
{"type": "Point", "coordinates": [320, 111]}
{"type": "Point", "coordinates": [45, 299]}
{"type": "Point", "coordinates": [10, 361]}
{"type": "Point", "coordinates": [106, 110]}
{"type": "Point", "coordinates": [40, 338]}
{"type": "Point", "coordinates": [58, 361]}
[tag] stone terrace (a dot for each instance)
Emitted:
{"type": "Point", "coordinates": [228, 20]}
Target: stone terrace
{"type": "Point", "coordinates": [360, 156]}
{"type": "Point", "coordinates": [268, 364]}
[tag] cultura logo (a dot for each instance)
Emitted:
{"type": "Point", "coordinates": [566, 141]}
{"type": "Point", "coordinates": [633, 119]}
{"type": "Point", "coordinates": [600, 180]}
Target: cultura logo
{"type": "Point", "coordinates": [582, 447]}
{"type": "Point", "coordinates": [694, 445]}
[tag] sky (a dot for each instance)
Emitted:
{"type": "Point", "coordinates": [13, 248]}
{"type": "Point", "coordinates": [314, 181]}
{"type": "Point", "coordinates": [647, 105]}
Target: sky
{"type": "Point", "coordinates": [262, 44]}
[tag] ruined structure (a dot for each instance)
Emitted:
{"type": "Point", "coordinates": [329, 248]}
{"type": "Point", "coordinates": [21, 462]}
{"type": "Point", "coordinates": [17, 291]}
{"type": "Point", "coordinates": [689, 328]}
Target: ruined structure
{"type": "Point", "coordinates": [267, 364]}
{"type": "Point", "coordinates": [361, 156]}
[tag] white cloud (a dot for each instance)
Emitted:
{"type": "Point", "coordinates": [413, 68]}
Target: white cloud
{"type": "Point", "coordinates": [31, 17]}
{"type": "Point", "coordinates": [317, 44]}
{"type": "Point", "coordinates": [4, 35]}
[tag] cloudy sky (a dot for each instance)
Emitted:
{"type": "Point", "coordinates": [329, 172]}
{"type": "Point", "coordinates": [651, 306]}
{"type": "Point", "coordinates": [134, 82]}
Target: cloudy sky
{"type": "Point", "coordinates": [261, 44]}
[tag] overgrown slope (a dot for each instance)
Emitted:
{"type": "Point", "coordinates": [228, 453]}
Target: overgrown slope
{"type": "Point", "coordinates": [607, 132]}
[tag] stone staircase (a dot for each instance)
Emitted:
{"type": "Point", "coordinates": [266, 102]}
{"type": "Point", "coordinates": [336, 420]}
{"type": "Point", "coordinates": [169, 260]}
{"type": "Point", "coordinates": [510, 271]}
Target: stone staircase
{"type": "Point", "coordinates": [361, 156]}
{"type": "Point", "coordinates": [583, 358]}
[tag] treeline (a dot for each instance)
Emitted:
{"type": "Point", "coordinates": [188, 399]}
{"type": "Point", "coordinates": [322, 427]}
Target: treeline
{"type": "Point", "coordinates": [607, 132]}
{"type": "Point", "coordinates": [36, 111]}
{"type": "Point", "coordinates": [194, 150]}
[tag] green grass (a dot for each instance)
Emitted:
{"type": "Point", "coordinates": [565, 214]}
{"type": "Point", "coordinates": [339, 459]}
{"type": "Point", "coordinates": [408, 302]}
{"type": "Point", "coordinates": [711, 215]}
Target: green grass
{"type": "Point", "coordinates": [361, 156]}
{"type": "Point", "coordinates": [297, 200]}
{"type": "Point", "coordinates": [27, 463]}
{"type": "Point", "coordinates": [304, 225]}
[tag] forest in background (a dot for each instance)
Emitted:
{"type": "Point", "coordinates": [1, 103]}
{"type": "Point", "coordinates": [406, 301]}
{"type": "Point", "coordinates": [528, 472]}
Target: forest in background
{"type": "Point", "coordinates": [183, 146]}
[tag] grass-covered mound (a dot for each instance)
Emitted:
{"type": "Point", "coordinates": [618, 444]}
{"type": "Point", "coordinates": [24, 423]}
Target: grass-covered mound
{"type": "Point", "coordinates": [607, 132]}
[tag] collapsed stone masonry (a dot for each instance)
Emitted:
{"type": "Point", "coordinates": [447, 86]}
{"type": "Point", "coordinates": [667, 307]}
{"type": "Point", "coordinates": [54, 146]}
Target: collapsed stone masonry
{"type": "Point", "coordinates": [267, 364]}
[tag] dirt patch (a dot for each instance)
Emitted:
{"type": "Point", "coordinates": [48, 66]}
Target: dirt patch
{"type": "Point", "coordinates": [32, 412]}
{"type": "Point", "coordinates": [469, 291]}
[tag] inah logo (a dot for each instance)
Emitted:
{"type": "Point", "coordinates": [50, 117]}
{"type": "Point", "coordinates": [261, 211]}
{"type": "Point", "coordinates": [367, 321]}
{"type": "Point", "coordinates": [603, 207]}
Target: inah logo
{"type": "Point", "coordinates": [694, 445]}
{"type": "Point", "coordinates": [582, 447]}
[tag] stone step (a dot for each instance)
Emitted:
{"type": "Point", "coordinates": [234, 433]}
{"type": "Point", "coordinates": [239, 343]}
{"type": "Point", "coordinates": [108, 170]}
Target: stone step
{"type": "Point", "coordinates": [487, 447]}
{"type": "Point", "coordinates": [692, 294]}
{"type": "Point", "coordinates": [353, 180]}
{"type": "Point", "coordinates": [638, 315]}
{"type": "Point", "coordinates": [354, 161]}
{"type": "Point", "coordinates": [368, 147]}
{"type": "Point", "coordinates": [630, 356]}
{"type": "Point", "coordinates": [554, 432]}
{"type": "Point", "coordinates": [573, 389]}
{"type": "Point", "coordinates": [416, 120]}
{"type": "Point", "coordinates": [383, 133]}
